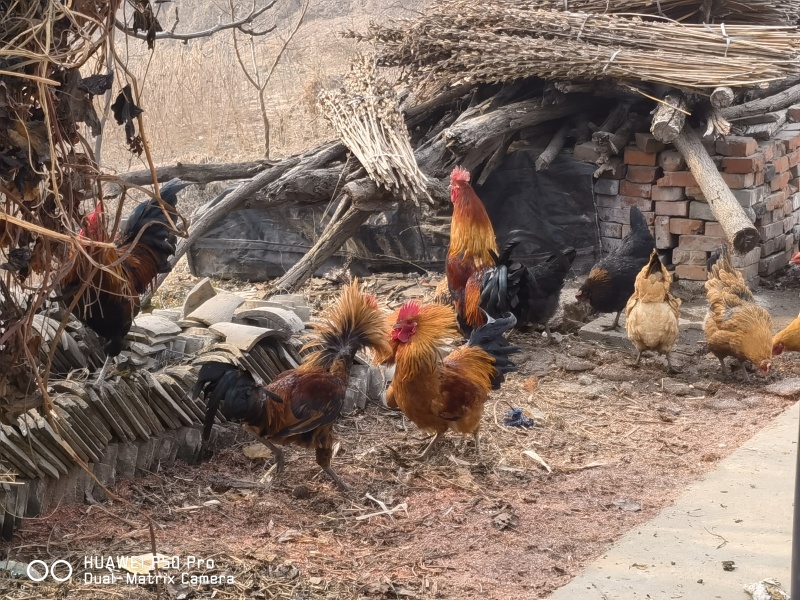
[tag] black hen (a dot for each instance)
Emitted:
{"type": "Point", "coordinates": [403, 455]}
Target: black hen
{"type": "Point", "coordinates": [531, 294]}
{"type": "Point", "coordinates": [610, 282]}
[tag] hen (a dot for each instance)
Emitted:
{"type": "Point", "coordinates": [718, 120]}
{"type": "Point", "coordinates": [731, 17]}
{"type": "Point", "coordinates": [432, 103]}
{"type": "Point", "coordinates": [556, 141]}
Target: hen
{"type": "Point", "coordinates": [788, 339]}
{"type": "Point", "coordinates": [652, 313]}
{"type": "Point", "coordinates": [436, 393]}
{"type": "Point", "coordinates": [735, 325]}
{"type": "Point", "coordinates": [300, 405]}
{"type": "Point", "coordinates": [106, 297]}
{"type": "Point", "coordinates": [610, 282]}
{"type": "Point", "coordinates": [481, 282]}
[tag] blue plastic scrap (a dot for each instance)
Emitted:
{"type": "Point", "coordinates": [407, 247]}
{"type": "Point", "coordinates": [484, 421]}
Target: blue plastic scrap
{"type": "Point", "coordinates": [516, 418]}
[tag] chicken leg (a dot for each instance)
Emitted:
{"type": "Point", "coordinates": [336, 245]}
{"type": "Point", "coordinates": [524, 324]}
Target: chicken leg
{"type": "Point", "coordinates": [427, 450]}
{"type": "Point", "coordinates": [550, 338]}
{"type": "Point", "coordinates": [639, 358]}
{"type": "Point", "coordinates": [670, 369]}
{"type": "Point", "coordinates": [278, 453]}
{"type": "Point", "coordinates": [477, 437]}
{"type": "Point", "coordinates": [615, 325]}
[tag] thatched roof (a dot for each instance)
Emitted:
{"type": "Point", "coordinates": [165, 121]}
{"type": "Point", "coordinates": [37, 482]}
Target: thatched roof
{"type": "Point", "coordinates": [461, 41]}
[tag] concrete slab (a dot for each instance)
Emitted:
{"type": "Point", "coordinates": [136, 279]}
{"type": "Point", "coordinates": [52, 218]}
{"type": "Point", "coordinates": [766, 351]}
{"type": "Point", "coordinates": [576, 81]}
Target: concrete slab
{"type": "Point", "coordinates": [741, 512]}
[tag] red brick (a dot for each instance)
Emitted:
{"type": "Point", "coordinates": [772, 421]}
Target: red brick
{"type": "Point", "coordinates": [649, 218]}
{"type": "Point", "coordinates": [788, 223]}
{"type": "Point", "coordinates": [775, 200]}
{"type": "Point", "coordinates": [700, 243]}
{"type": "Point", "coordinates": [640, 190]}
{"type": "Point", "coordinates": [626, 229]}
{"type": "Point", "coordinates": [610, 244]}
{"type": "Point", "coordinates": [608, 187]}
{"type": "Point", "coordinates": [679, 208]}
{"type": "Point", "coordinates": [790, 139]}
{"type": "Point", "coordinates": [689, 257]}
{"type": "Point", "coordinates": [794, 183]}
{"type": "Point", "coordinates": [671, 160]}
{"type": "Point", "coordinates": [787, 206]}
{"type": "Point", "coordinates": [661, 193]}
{"type": "Point", "coordinates": [780, 181]}
{"type": "Point", "coordinates": [738, 181]}
{"type": "Point", "coordinates": [686, 226]}
{"type": "Point", "coordinates": [765, 219]}
{"type": "Point", "coordinates": [612, 230]}
{"type": "Point", "coordinates": [767, 149]}
{"type": "Point", "coordinates": [747, 164]}
{"type": "Point", "coordinates": [778, 214]}
{"type": "Point", "coordinates": [758, 178]}
{"type": "Point", "coordinates": [639, 174]}
{"type": "Point", "coordinates": [695, 192]}
{"type": "Point", "coordinates": [647, 143]}
{"type": "Point", "coordinates": [714, 229]}
{"type": "Point", "coordinates": [664, 239]}
{"type": "Point", "coordinates": [677, 179]}
{"type": "Point", "coordinates": [794, 113]}
{"type": "Point", "coordinates": [794, 158]}
{"type": "Point", "coordinates": [642, 204]}
{"type": "Point", "coordinates": [587, 152]}
{"type": "Point", "coordinates": [616, 169]}
{"type": "Point", "coordinates": [634, 156]}
{"type": "Point", "coordinates": [733, 145]}
{"type": "Point", "coordinates": [781, 164]}
{"type": "Point", "coordinates": [691, 272]}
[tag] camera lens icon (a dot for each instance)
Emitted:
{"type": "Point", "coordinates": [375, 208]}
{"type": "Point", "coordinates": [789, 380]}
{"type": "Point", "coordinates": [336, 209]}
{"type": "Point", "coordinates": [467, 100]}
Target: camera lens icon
{"type": "Point", "coordinates": [42, 570]}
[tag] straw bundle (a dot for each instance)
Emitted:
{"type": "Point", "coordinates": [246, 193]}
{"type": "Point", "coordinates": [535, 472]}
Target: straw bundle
{"type": "Point", "coordinates": [366, 115]}
{"type": "Point", "coordinates": [497, 41]}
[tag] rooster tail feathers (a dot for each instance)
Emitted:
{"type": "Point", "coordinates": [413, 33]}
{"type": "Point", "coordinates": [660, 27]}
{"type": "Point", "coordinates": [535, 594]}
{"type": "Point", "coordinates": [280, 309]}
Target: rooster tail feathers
{"type": "Point", "coordinates": [352, 323]}
{"type": "Point", "coordinates": [489, 338]}
{"type": "Point", "coordinates": [638, 222]}
{"type": "Point", "coordinates": [169, 191]}
{"type": "Point", "coordinates": [213, 382]}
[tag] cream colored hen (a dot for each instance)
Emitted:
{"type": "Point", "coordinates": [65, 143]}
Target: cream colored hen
{"type": "Point", "coordinates": [652, 313]}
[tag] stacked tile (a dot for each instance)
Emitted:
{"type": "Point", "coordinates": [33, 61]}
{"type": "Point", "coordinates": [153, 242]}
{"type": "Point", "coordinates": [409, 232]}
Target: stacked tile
{"type": "Point", "coordinates": [764, 176]}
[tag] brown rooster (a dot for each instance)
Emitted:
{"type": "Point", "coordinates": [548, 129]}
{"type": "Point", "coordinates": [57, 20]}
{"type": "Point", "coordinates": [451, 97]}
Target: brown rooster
{"type": "Point", "coordinates": [735, 325]}
{"type": "Point", "coordinates": [439, 394]}
{"type": "Point", "coordinates": [300, 405]}
{"type": "Point", "coordinates": [652, 313]}
{"type": "Point", "coordinates": [118, 275]}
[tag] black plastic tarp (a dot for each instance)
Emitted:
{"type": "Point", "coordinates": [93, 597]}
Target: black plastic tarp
{"type": "Point", "coordinates": [257, 245]}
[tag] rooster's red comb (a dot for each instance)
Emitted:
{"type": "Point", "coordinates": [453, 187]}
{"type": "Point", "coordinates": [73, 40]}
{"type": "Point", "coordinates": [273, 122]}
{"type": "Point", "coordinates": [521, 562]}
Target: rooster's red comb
{"type": "Point", "coordinates": [459, 175]}
{"type": "Point", "coordinates": [409, 310]}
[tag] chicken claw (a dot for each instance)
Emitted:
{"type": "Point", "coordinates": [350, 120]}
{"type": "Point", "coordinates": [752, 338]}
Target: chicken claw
{"type": "Point", "coordinates": [615, 325]}
{"type": "Point", "coordinates": [427, 450]}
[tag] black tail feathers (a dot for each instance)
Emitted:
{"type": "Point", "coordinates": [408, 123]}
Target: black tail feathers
{"type": "Point", "coordinates": [489, 337]}
{"type": "Point", "coordinates": [638, 222]}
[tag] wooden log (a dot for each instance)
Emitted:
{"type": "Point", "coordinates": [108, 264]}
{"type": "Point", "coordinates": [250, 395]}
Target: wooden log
{"type": "Point", "coordinates": [740, 232]}
{"type": "Point", "coordinates": [336, 234]}
{"type": "Point", "coordinates": [761, 131]}
{"type": "Point", "coordinates": [200, 173]}
{"type": "Point", "coordinates": [779, 101]}
{"type": "Point", "coordinates": [614, 119]}
{"type": "Point", "coordinates": [669, 118]}
{"type": "Point", "coordinates": [497, 158]}
{"type": "Point", "coordinates": [554, 147]}
{"type": "Point", "coordinates": [722, 97]}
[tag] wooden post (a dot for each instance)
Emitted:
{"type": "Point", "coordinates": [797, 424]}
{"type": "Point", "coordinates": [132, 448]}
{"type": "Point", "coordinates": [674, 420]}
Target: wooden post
{"type": "Point", "coordinates": [669, 118]}
{"type": "Point", "coordinates": [722, 97]}
{"type": "Point", "coordinates": [741, 233]}
{"type": "Point", "coordinates": [554, 147]}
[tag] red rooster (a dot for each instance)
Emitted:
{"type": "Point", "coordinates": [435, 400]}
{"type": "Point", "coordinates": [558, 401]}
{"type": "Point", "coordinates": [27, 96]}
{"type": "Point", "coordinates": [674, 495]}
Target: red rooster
{"type": "Point", "coordinates": [482, 283]}
{"type": "Point", "coordinates": [110, 301]}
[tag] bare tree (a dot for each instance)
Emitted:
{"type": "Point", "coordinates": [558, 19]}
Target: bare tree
{"type": "Point", "coordinates": [256, 75]}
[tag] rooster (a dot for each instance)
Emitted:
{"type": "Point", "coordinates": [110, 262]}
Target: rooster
{"type": "Point", "coordinates": [439, 394]}
{"type": "Point", "coordinates": [300, 405]}
{"type": "Point", "coordinates": [610, 282]}
{"type": "Point", "coordinates": [118, 275]}
{"type": "Point", "coordinates": [481, 282]}
{"type": "Point", "coordinates": [652, 313]}
{"type": "Point", "coordinates": [788, 339]}
{"type": "Point", "coordinates": [735, 325]}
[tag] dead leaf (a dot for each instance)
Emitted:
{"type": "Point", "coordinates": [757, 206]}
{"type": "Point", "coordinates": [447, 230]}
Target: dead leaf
{"type": "Point", "coordinates": [505, 520]}
{"type": "Point", "coordinates": [628, 505]}
{"type": "Point", "coordinates": [532, 454]}
{"type": "Point", "coordinates": [257, 451]}
{"type": "Point", "coordinates": [289, 535]}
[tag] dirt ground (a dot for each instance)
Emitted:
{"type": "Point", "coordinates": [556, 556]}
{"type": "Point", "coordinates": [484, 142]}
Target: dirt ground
{"type": "Point", "coordinates": [612, 444]}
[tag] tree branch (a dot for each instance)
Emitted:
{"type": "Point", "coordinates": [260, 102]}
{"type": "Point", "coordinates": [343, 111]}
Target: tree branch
{"type": "Point", "coordinates": [239, 24]}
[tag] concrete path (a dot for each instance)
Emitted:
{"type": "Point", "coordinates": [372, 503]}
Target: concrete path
{"type": "Point", "coordinates": [741, 512]}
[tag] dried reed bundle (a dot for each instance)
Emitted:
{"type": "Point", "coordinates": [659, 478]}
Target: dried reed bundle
{"type": "Point", "coordinates": [498, 41]}
{"type": "Point", "coordinates": [366, 115]}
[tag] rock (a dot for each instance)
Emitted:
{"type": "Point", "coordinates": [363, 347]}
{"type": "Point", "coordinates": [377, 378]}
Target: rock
{"type": "Point", "coordinates": [788, 388]}
{"type": "Point", "coordinates": [585, 380]}
{"type": "Point", "coordinates": [573, 364]}
{"type": "Point", "coordinates": [616, 373]}
{"type": "Point", "coordinates": [677, 388]}
{"type": "Point", "coordinates": [218, 309]}
{"type": "Point", "coordinates": [582, 351]}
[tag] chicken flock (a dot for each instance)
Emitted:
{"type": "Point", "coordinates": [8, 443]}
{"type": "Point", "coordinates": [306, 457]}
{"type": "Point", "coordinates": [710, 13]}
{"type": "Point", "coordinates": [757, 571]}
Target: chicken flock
{"type": "Point", "coordinates": [485, 295]}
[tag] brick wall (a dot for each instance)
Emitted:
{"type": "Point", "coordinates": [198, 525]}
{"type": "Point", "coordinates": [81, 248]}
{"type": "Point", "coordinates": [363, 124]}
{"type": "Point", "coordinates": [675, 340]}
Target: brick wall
{"type": "Point", "coordinates": [764, 176]}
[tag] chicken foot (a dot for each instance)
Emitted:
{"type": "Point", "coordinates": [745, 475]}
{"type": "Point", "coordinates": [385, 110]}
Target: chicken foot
{"type": "Point", "coordinates": [550, 338]}
{"type": "Point", "coordinates": [324, 456]}
{"type": "Point", "coordinates": [278, 453]}
{"type": "Point", "coordinates": [477, 437]}
{"type": "Point", "coordinates": [427, 450]}
{"type": "Point", "coordinates": [670, 369]}
{"type": "Point", "coordinates": [615, 325]}
{"type": "Point", "coordinates": [639, 358]}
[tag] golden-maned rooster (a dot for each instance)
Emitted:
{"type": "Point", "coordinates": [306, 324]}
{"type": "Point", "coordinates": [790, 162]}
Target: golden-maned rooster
{"type": "Point", "coordinates": [652, 313]}
{"type": "Point", "coordinates": [439, 394]}
{"type": "Point", "coordinates": [110, 301]}
{"type": "Point", "coordinates": [735, 325]}
{"type": "Point", "coordinates": [484, 283]}
{"type": "Point", "coordinates": [788, 339]}
{"type": "Point", "coordinates": [300, 405]}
